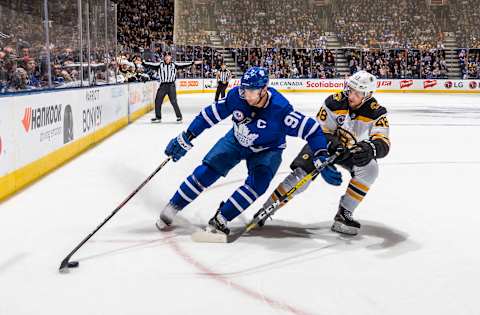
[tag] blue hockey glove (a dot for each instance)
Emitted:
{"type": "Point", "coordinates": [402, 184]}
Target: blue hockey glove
{"type": "Point", "coordinates": [178, 146]}
{"type": "Point", "coordinates": [329, 173]}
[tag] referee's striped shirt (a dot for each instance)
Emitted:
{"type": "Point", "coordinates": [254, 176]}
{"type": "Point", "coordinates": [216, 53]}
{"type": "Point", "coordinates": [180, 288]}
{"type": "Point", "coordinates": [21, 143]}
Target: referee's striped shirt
{"type": "Point", "coordinates": [167, 72]}
{"type": "Point", "coordinates": [224, 75]}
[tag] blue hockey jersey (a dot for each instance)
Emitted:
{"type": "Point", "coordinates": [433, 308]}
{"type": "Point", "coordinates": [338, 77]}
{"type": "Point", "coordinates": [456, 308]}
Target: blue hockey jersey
{"type": "Point", "coordinates": [264, 128]}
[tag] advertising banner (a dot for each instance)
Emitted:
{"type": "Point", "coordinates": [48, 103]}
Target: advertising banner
{"type": "Point", "coordinates": [140, 95]}
{"type": "Point", "coordinates": [329, 85]}
{"type": "Point", "coordinates": [45, 122]}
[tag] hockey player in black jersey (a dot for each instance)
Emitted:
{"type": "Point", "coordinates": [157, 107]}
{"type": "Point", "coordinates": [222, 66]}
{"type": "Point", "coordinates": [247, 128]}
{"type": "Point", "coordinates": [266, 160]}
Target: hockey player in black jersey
{"type": "Point", "coordinates": [354, 122]}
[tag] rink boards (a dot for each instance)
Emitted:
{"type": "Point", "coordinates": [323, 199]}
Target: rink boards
{"type": "Point", "coordinates": [330, 86]}
{"type": "Point", "coordinates": [41, 131]}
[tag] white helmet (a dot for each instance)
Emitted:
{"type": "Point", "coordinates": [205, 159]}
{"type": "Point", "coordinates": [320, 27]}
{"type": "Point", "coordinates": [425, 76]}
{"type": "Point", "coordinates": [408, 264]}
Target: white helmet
{"type": "Point", "coordinates": [362, 81]}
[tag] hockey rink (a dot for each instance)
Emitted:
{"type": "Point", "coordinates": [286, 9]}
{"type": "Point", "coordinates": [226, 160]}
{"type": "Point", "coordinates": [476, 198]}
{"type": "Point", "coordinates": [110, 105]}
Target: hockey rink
{"type": "Point", "coordinates": [417, 253]}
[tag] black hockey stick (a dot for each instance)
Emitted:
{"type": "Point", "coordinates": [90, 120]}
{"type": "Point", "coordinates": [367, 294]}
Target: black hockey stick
{"type": "Point", "coordinates": [66, 263]}
{"type": "Point", "coordinates": [270, 210]}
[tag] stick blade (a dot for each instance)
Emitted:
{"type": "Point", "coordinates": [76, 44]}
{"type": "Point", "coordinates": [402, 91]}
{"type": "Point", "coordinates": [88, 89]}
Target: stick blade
{"type": "Point", "coordinates": [66, 265]}
{"type": "Point", "coordinates": [203, 236]}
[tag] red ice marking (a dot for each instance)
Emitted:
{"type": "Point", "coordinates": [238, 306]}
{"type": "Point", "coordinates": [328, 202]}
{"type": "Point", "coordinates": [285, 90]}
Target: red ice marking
{"type": "Point", "coordinates": [247, 291]}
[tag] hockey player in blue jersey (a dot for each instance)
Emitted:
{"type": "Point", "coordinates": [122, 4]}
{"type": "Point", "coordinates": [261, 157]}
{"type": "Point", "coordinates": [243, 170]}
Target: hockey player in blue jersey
{"type": "Point", "coordinates": [262, 117]}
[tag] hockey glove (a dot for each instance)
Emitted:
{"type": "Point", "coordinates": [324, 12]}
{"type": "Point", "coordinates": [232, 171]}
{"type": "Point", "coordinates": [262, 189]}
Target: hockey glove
{"type": "Point", "coordinates": [178, 146]}
{"type": "Point", "coordinates": [334, 146]}
{"type": "Point", "coordinates": [363, 153]}
{"type": "Point", "coordinates": [330, 173]}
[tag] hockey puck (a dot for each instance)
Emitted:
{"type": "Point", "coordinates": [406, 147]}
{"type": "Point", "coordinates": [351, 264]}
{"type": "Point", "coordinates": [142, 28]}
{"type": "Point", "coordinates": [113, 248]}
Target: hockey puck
{"type": "Point", "coordinates": [73, 264]}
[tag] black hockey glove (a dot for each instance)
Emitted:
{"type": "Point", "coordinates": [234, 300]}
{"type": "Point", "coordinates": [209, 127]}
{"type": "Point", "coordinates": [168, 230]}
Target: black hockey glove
{"type": "Point", "coordinates": [363, 153]}
{"type": "Point", "coordinates": [335, 146]}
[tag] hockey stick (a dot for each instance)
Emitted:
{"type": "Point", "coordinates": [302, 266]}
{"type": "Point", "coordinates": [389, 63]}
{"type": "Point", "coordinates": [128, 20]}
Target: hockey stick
{"type": "Point", "coordinates": [270, 210]}
{"type": "Point", "coordinates": [66, 263]}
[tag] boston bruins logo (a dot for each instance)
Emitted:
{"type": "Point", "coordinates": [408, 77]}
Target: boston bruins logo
{"type": "Point", "coordinates": [338, 96]}
{"type": "Point", "coordinates": [346, 137]}
{"type": "Point", "coordinates": [374, 106]}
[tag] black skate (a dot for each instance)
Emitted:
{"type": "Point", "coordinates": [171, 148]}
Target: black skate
{"type": "Point", "coordinates": [215, 232]}
{"type": "Point", "coordinates": [218, 224]}
{"type": "Point", "coordinates": [262, 215]}
{"type": "Point", "coordinates": [344, 223]}
{"type": "Point", "coordinates": [156, 120]}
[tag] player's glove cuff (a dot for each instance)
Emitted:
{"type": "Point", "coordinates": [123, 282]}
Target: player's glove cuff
{"type": "Point", "coordinates": [184, 142]}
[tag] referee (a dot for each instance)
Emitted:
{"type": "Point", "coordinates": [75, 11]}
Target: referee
{"type": "Point", "coordinates": [223, 76]}
{"type": "Point", "coordinates": [167, 73]}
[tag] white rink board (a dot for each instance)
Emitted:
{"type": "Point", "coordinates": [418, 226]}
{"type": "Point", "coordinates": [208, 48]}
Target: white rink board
{"type": "Point", "coordinates": [140, 95]}
{"type": "Point", "coordinates": [45, 122]}
{"type": "Point", "coordinates": [7, 151]}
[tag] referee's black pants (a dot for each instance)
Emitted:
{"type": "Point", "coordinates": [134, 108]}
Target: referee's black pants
{"type": "Point", "coordinates": [220, 90]}
{"type": "Point", "coordinates": [170, 90]}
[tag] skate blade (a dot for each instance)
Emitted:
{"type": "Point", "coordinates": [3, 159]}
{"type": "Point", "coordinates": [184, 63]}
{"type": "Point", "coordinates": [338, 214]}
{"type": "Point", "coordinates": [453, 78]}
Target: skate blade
{"type": "Point", "coordinates": [203, 236]}
{"type": "Point", "coordinates": [344, 229]}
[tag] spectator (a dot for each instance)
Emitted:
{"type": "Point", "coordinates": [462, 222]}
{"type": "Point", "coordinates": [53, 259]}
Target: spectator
{"type": "Point", "coordinates": [465, 15]}
{"type": "Point", "coordinates": [141, 23]}
{"type": "Point", "coordinates": [386, 24]}
{"type": "Point", "coordinates": [470, 63]}
{"type": "Point", "coordinates": [33, 74]}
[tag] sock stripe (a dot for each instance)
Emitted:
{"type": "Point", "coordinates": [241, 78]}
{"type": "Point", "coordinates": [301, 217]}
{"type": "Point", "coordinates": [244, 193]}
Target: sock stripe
{"type": "Point", "coordinates": [354, 195]}
{"type": "Point", "coordinates": [248, 192]}
{"type": "Point", "coordinates": [187, 182]}
{"type": "Point", "coordinates": [235, 203]}
{"type": "Point", "coordinates": [277, 193]}
{"type": "Point", "coordinates": [245, 196]}
{"type": "Point", "coordinates": [251, 191]}
{"type": "Point", "coordinates": [358, 191]}
{"type": "Point", "coordinates": [359, 185]}
{"type": "Point", "coordinates": [197, 182]}
{"type": "Point", "coordinates": [184, 196]}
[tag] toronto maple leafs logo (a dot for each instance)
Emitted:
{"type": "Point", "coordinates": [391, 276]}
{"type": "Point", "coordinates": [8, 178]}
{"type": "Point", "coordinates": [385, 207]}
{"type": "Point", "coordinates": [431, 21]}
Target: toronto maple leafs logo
{"type": "Point", "coordinates": [238, 115]}
{"type": "Point", "coordinates": [243, 135]}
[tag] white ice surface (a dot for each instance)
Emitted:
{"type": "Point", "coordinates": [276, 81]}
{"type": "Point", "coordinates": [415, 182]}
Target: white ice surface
{"type": "Point", "coordinates": [418, 251]}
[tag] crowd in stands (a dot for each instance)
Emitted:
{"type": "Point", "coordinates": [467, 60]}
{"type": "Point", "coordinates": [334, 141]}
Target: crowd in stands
{"type": "Point", "coordinates": [465, 15]}
{"type": "Point", "coordinates": [387, 24]}
{"type": "Point", "coordinates": [399, 63]}
{"type": "Point", "coordinates": [250, 23]}
{"type": "Point", "coordinates": [279, 23]}
{"type": "Point", "coordinates": [141, 23]}
{"type": "Point", "coordinates": [211, 57]}
{"type": "Point", "coordinates": [399, 39]}
{"type": "Point", "coordinates": [24, 63]}
{"type": "Point", "coordinates": [470, 63]}
{"type": "Point", "coordinates": [288, 62]}
{"type": "Point", "coordinates": [191, 22]}
{"type": "Point", "coordinates": [21, 70]}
